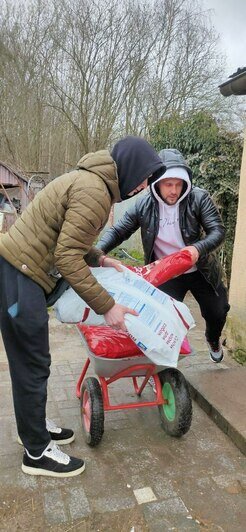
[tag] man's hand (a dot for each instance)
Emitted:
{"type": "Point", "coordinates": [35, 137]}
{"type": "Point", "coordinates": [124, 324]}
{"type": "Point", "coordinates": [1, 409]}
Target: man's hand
{"type": "Point", "coordinates": [110, 263]}
{"type": "Point", "coordinates": [115, 316]}
{"type": "Point", "coordinates": [194, 253]}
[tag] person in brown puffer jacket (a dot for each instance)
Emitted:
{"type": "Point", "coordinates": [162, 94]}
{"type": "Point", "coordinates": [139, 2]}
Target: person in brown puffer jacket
{"type": "Point", "coordinates": [57, 231]}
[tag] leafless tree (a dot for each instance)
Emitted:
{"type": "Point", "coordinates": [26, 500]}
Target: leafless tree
{"type": "Point", "coordinates": [75, 75]}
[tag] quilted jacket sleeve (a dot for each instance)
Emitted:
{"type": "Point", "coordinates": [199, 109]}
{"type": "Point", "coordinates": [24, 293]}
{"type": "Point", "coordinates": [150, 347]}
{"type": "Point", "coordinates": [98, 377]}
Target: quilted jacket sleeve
{"type": "Point", "coordinates": [87, 212]}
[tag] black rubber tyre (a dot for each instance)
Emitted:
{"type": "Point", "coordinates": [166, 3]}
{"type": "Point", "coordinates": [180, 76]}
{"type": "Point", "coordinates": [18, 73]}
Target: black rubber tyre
{"type": "Point", "coordinates": [176, 416]}
{"type": "Point", "coordinates": [93, 423]}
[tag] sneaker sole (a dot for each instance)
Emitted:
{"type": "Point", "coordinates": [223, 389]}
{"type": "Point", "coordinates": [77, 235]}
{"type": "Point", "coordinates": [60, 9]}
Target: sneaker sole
{"type": "Point", "coordinates": [45, 473]}
{"type": "Point", "coordinates": [58, 442]}
{"type": "Point", "coordinates": [216, 361]}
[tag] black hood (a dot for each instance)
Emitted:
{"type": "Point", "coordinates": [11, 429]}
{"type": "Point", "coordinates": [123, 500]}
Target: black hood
{"type": "Point", "coordinates": [171, 157]}
{"type": "Point", "coordinates": [135, 159]}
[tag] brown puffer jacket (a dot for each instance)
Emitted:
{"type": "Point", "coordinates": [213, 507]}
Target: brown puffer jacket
{"type": "Point", "coordinates": [59, 226]}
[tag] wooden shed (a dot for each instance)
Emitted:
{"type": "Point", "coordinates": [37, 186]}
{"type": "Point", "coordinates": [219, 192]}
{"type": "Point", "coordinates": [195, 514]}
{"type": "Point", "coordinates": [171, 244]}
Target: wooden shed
{"type": "Point", "coordinates": [13, 195]}
{"type": "Point", "coordinates": [16, 191]}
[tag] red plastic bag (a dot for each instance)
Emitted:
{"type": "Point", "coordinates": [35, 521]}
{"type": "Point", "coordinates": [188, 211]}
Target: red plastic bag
{"type": "Point", "coordinates": [185, 347]}
{"type": "Point", "coordinates": [163, 270]}
{"type": "Point", "coordinates": [106, 342]}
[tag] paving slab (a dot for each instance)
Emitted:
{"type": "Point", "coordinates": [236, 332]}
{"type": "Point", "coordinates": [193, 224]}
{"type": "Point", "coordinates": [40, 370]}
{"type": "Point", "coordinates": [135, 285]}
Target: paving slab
{"type": "Point", "coordinates": [222, 394]}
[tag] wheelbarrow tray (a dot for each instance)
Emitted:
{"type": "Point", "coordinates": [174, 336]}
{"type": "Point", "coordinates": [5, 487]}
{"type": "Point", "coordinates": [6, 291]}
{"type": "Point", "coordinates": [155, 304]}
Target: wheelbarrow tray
{"type": "Point", "coordinates": [108, 367]}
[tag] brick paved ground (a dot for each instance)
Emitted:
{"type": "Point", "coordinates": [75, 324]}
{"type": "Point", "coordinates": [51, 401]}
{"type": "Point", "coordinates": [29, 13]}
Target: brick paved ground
{"type": "Point", "coordinates": [137, 480]}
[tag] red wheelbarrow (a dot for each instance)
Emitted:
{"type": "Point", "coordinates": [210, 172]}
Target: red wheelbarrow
{"type": "Point", "coordinates": [169, 385]}
{"type": "Point", "coordinates": [123, 359]}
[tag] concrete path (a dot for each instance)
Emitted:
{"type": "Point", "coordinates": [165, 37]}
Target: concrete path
{"type": "Point", "coordinates": [138, 479]}
{"type": "Point", "coordinates": [220, 389]}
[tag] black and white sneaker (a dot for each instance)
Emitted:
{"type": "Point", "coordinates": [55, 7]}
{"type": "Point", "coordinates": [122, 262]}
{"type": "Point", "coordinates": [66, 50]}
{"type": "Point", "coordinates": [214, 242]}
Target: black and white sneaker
{"type": "Point", "coordinates": [216, 351]}
{"type": "Point", "coordinates": [52, 463]}
{"type": "Point", "coordinates": [59, 435]}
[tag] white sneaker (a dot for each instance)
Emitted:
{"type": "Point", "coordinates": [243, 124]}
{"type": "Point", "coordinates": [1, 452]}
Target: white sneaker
{"type": "Point", "coordinates": [52, 463]}
{"type": "Point", "coordinates": [59, 435]}
{"type": "Point", "coordinates": [215, 351]}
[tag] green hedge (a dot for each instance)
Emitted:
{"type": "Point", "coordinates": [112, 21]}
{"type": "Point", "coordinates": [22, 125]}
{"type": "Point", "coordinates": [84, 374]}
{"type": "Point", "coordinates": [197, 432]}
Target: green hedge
{"type": "Point", "coordinates": [214, 156]}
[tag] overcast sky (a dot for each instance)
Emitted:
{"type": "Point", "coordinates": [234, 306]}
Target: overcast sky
{"type": "Point", "coordinates": [229, 20]}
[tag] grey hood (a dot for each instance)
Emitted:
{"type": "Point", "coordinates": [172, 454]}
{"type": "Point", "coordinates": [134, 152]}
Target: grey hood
{"type": "Point", "coordinates": [171, 157]}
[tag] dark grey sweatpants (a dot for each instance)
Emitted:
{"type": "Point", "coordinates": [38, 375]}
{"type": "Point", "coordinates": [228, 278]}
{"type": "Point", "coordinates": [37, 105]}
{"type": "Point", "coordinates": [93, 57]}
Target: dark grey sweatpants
{"type": "Point", "coordinates": [24, 328]}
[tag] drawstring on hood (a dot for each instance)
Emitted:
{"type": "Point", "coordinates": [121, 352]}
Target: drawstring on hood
{"type": "Point", "coordinates": [136, 160]}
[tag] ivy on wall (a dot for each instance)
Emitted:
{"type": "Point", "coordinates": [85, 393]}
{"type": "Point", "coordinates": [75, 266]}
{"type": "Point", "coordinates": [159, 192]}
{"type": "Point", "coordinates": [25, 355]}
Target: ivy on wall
{"type": "Point", "coordinates": [214, 156]}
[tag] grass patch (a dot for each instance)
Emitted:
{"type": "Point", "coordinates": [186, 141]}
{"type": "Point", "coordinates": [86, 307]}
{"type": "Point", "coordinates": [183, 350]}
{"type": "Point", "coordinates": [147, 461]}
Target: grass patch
{"type": "Point", "coordinates": [137, 256]}
{"type": "Point", "coordinates": [240, 356]}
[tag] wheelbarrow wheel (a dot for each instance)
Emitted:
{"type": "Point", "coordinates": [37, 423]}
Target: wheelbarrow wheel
{"type": "Point", "coordinates": [92, 411]}
{"type": "Point", "coordinates": [176, 414]}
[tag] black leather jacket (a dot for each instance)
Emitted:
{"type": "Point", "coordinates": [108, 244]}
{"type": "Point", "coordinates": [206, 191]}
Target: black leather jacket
{"type": "Point", "coordinates": [200, 223]}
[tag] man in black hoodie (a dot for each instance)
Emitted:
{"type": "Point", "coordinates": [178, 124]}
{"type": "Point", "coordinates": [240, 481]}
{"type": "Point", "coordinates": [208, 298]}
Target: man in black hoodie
{"type": "Point", "coordinates": [173, 215]}
{"type": "Point", "coordinates": [57, 230]}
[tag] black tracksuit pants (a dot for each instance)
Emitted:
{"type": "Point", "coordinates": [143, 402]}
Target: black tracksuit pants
{"type": "Point", "coordinates": [214, 306]}
{"type": "Point", "coordinates": [24, 328]}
